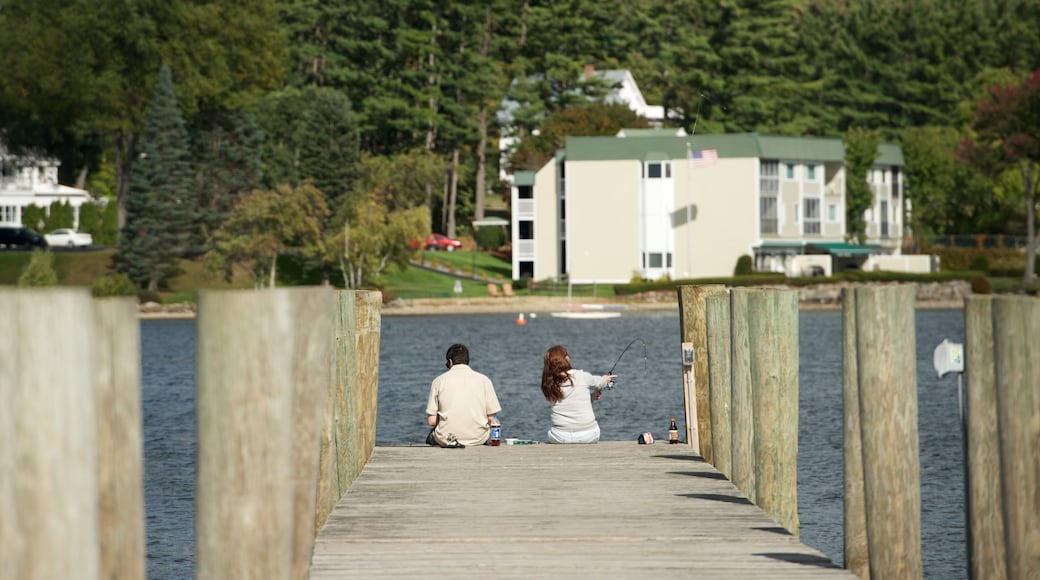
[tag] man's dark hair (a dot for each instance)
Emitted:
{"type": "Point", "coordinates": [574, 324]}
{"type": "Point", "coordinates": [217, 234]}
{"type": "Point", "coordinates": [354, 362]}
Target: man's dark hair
{"type": "Point", "coordinates": [457, 354]}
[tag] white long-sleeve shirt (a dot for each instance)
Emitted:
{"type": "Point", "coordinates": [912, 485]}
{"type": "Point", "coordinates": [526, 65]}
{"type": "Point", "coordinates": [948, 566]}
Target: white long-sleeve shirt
{"type": "Point", "coordinates": [574, 411]}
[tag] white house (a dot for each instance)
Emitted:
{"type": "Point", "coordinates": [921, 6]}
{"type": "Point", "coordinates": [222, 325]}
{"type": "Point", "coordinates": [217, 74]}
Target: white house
{"type": "Point", "coordinates": [623, 90]}
{"type": "Point", "coordinates": [33, 180]}
{"type": "Point", "coordinates": [653, 204]}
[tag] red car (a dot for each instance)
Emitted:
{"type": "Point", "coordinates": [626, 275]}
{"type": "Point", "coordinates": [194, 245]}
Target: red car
{"type": "Point", "coordinates": [441, 242]}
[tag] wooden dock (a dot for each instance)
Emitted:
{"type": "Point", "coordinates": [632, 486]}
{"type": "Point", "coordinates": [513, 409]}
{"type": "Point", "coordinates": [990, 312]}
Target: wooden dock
{"type": "Point", "coordinates": [611, 510]}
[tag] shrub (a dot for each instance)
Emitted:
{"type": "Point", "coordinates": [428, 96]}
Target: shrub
{"type": "Point", "coordinates": [490, 238]}
{"type": "Point", "coordinates": [980, 285]}
{"type": "Point", "coordinates": [743, 266]}
{"type": "Point", "coordinates": [144, 296]}
{"type": "Point", "coordinates": [39, 272]}
{"type": "Point", "coordinates": [979, 263]}
{"type": "Point", "coordinates": [113, 285]}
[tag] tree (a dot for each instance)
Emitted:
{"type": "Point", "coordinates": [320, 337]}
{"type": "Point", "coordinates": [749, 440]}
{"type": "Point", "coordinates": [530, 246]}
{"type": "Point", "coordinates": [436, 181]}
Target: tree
{"type": "Point", "coordinates": [265, 224]}
{"type": "Point", "coordinates": [39, 271]}
{"type": "Point", "coordinates": [160, 204]}
{"type": "Point", "coordinates": [1006, 135]}
{"type": "Point", "coordinates": [389, 215]}
{"type": "Point", "coordinates": [591, 120]}
{"type": "Point", "coordinates": [227, 162]}
{"type": "Point", "coordinates": [861, 149]}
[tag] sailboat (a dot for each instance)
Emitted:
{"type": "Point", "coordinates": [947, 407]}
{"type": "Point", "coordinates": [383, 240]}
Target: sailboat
{"type": "Point", "coordinates": [587, 311]}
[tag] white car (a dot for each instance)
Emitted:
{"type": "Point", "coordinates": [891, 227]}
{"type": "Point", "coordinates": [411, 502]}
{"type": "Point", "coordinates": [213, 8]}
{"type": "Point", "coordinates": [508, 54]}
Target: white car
{"type": "Point", "coordinates": [69, 238]}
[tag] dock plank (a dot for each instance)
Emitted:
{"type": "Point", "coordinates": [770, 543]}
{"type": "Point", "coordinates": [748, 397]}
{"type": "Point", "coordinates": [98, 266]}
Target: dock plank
{"type": "Point", "coordinates": [611, 510]}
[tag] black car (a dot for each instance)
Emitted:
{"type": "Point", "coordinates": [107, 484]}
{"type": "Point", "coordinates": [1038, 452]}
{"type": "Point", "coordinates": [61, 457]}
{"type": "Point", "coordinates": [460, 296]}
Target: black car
{"type": "Point", "coordinates": [20, 238]}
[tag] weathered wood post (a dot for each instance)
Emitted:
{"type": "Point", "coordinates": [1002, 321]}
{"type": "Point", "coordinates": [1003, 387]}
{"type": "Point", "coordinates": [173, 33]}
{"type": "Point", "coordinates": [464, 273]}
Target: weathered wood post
{"type": "Point", "coordinates": [120, 449]}
{"type": "Point", "coordinates": [773, 343]}
{"type": "Point", "coordinates": [987, 557]}
{"type": "Point", "coordinates": [691, 322]}
{"type": "Point", "coordinates": [313, 356]}
{"type": "Point", "coordinates": [742, 431]}
{"type": "Point", "coordinates": [717, 324]}
{"type": "Point", "coordinates": [1016, 357]}
{"type": "Point", "coordinates": [248, 366]}
{"type": "Point", "coordinates": [368, 321]}
{"type": "Point", "coordinates": [48, 436]}
{"type": "Point", "coordinates": [887, 376]}
{"type": "Point", "coordinates": [856, 553]}
{"type": "Point", "coordinates": [349, 424]}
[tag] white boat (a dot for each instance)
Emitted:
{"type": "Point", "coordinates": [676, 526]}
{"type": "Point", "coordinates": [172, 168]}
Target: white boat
{"type": "Point", "coordinates": [587, 314]}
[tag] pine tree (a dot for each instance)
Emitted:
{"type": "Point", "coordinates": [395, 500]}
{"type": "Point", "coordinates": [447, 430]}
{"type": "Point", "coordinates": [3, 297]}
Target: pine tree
{"type": "Point", "coordinates": [160, 204]}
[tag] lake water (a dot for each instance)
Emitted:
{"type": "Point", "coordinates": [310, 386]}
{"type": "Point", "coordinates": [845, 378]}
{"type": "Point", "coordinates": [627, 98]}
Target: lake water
{"type": "Point", "coordinates": [647, 395]}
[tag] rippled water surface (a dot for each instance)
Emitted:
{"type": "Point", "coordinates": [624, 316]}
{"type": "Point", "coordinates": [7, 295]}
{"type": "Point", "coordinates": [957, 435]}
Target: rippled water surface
{"type": "Point", "coordinates": [647, 395]}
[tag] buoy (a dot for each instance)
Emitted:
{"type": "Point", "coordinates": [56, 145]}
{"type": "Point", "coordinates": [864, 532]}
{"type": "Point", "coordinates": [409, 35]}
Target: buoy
{"type": "Point", "coordinates": [520, 319]}
{"type": "Point", "coordinates": [534, 315]}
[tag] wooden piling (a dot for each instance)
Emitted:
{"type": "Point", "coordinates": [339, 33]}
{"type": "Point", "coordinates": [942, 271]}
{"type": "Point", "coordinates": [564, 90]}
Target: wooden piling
{"type": "Point", "coordinates": [986, 554]}
{"type": "Point", "coordinates": [887, 367]}
{"type": "Point", "coordinates": [120, 449]}
{"type": "Point", "coordinates": [368, 321]}
{"type": "Point", "coordinates": [349, 424]}
{"type": "Point", "coordinates": [773, 344]}
{"type": "Point", "coordinates": [312, 310]}
{"type": "Point", "coordinates": [49, 527]}
{"type": "Point", "coordinates": [244, 502]}
{"type": "Point", "coordinates": [857, 559]}
{"type": "Point", "coordinates": [717, 326]}
{"type": "Point", "coordinates": [742, 430]}
{"type": "Point", "coordinates": [1016, 357]}
{"type": "Point", "coordinates": [691, 323]}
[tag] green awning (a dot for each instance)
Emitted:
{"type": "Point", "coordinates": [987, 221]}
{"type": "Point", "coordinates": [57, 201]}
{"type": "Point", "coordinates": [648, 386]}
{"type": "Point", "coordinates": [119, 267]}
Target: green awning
{"type": "Point", "coordinates": [840, 249]}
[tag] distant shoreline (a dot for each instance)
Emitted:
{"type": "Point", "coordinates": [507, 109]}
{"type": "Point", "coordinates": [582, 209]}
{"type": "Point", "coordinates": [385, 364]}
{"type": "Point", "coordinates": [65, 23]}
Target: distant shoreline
{"type": "Point", "coordinates": [521, 305]}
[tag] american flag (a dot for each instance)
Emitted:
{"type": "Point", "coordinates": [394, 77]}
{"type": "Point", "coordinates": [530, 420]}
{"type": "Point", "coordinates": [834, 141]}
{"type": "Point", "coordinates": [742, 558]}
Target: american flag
{"type": "Point", "coordinates": [703, 157]}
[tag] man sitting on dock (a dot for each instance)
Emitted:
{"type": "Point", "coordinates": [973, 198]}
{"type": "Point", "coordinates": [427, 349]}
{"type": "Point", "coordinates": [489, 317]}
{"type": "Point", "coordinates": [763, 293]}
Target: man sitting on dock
{"type": "Point", "coordinates": [461, 404]}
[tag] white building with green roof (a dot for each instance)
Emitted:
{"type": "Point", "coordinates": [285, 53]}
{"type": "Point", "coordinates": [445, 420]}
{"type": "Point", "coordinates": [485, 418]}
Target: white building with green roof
{"type": "Point", "coordinates": [654, 205]}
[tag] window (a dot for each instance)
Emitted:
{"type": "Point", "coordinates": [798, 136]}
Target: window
{"type": "Point", "coordinates": [810, 172]}
{"type": "Point", "coordinates": [884, 219]}
{"type": "Point", "coordinates": [655, 260]}
{"type": "Point", "coordinates": [811, 223]}
{"type": "Point", "coordinates": [767, 214]}
{"type": "Point", "coordinates": [525, 192]}
{"type": "Point", "coordinates": [668, 170]}
{"type": "Point", "coordinates": [832, 212]}
{"type": "Point", "coordinates": [769, 176]}
{"type": "Point", "coordinates": [653, 171]}
{"type": "Point", "coordinates": [527, 269]}
{"type": "Point", "coordinates": [526, 230]}
{"type": "Point", "coordinates": [790, 170]}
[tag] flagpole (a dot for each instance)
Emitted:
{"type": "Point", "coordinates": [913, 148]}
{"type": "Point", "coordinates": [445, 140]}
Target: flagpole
{"type": "Point", "coordinates": [689, 201]}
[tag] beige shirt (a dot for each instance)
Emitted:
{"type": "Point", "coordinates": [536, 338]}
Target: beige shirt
{"type": "Point", "coordinates": [462, 399]}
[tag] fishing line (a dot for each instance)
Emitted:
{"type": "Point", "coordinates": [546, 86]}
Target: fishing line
{"type": "Point", "coordinates": [611, 371]}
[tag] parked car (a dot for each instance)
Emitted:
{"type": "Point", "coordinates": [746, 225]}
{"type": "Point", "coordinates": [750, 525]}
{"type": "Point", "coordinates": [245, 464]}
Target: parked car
{"type": "Point", "coordinates": [441, 242]}
{"type": "Point", "coordinates": [69, 237]}
{"type": "Point", "coordinates": [18, 237]}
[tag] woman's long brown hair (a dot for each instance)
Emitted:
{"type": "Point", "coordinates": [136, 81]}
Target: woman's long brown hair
{"type": "Point", "coordinates": [554, 373]}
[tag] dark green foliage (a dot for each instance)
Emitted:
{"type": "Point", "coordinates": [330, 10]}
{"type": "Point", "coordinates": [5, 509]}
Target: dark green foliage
{"type": "Point", "coordinates": [490, 238]}
{"type": "Point", "coordinates": [35, 217]}
{"type": "Point", "coordinates": [39, 271]}
{"type": "Point", "coordinates": [113, 285]}
{"type": "Point", "coordinates": [109, 232]}
{"type": "Point", "coordinates": [160, 204]}
{"type": "Point", "coordinates": [979, 264]}
{"type": "Point", "coordinates": [90, 219]}
{"type": "Point", "coordinates": [227, 165]}
{"type": "Point", "coordinates": [980, 285]}
{"type": "Point", "coordinates": [61, 216]}
{"type": "Point", "coordinates": [744, 266]}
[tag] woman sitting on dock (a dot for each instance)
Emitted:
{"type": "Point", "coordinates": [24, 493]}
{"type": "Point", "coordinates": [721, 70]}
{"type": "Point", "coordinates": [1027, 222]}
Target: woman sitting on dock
{"type": "Point", "coordinates": [570, 391]}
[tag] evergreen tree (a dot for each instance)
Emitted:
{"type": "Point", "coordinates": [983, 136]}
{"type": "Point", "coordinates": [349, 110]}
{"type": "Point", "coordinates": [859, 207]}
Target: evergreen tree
{"type": "Point", "coordinates": [160, 204]}
{"type": "Point", "coordinates": [39, 272]}
{"type": "Point", "coordinates": [228, 165]}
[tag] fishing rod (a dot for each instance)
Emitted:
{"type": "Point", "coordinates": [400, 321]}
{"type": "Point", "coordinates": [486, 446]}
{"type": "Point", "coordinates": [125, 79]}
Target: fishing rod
{"type": "Point", "coordinates": [610, 385]}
